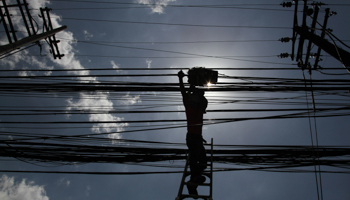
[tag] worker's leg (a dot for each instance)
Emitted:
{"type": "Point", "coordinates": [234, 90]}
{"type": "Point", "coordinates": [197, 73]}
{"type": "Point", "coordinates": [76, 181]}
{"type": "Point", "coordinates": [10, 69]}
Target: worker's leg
{"type": "Point", "coordinates": [202, 158]}
{"type": "Point", "coordinates": [194, 144]}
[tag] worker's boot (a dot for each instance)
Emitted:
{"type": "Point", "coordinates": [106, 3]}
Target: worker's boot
{"type": "Point", "coordinates": [192, 188]}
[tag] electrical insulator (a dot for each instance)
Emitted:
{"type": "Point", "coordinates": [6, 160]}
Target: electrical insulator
{"type": "Point", "coordinates": [333, 13]}
{"type": "Point", "coordinates": [313, 55]}
{"type": "Point", "coordinates": [287, 4]}
{"type": "Point", "coordinates": [309, 12]}
{"type": "Point", "coordinates": [284, 55]}
{"type": "Point", "coordinates": [285, 39]}
{"type": "Point", "coordinates": [301, 65]}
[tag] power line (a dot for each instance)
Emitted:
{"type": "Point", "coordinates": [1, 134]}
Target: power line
{"type": "Point", "coordinates": [164, 172]}
{"type": "Point", "coordinates": [154, 69]}
{"type": "Point", "coordinates": [175, 24]}
{"type": "Point", "coordinates": [174, 42]}
{"type": "Point", "coordinates": [172, 5]}
{"type": "Point", "coordinates": [184, 53]}
{"type": "Point", "coordinates": [205, 121]}
{"type": "Point", "coordinates": [89, 111]}
{"type": "Point", "coordinates": [264, 156]}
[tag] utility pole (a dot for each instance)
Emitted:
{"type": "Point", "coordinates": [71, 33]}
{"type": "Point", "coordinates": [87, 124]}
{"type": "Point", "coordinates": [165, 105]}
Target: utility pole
{"type": "Point", "coordinates": [308, 33]}
{"type": "Point", "coordinates": [29, 40]}
{"type": "Point", "coordinates": [33, 37]}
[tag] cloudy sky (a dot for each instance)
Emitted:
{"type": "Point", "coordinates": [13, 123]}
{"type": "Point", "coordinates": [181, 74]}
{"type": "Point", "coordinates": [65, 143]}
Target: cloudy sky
{"type": "Point", "coordinates": [159, 37]}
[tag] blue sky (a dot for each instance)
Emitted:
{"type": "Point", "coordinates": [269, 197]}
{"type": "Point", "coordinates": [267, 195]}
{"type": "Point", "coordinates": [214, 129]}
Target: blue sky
{"type": "Point", "coordinates": [151, 34]}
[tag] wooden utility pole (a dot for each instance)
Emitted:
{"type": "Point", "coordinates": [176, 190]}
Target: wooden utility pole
{"type": "Point", "coordinates": [14, 43]}
{"type": "Point", "coordinates": [308, 33]}
{"type": "Point", "coordinates": [29, 40]}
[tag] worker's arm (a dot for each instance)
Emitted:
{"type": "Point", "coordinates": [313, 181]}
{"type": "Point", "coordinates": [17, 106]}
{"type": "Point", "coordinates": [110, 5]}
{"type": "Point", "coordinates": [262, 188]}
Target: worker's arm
{"type": "Point", "coordinates": [180, 74]}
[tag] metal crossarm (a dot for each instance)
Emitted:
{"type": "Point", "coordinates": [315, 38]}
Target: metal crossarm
{"type": "Point", "coordinates": [7, 16]}
{"type": "Point", "coordinates": [308, 33]}
{"type": "Point", "coordinates": [208, 173]}
{"type": "Point", "coordinates": [45, 14]}
{"type": "Point", "coordinates": [33, 35]}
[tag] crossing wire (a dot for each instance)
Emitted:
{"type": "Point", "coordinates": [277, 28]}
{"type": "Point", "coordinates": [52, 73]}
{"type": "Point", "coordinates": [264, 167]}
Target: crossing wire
{"type": "Point", "coordinates": [102, 75]}
{"type": "Point", "coordinates": [126, 153]}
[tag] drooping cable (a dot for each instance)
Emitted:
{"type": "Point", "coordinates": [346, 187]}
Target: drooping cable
{"type": "Point", "coordinates": [312, 141]}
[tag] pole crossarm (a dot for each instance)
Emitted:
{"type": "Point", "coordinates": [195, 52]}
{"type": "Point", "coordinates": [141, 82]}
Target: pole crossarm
{"type": "Point", "coordinates": [331, 49]}
{"type": "Point", "coordinates": [33, 37]}
{"type": "Point", "coordinates": [28, 40]}
{"type": "Point", "coordinates": [52, 41]}
{"type": "Point", "coordinates": [308, 33]}
{"type": "Point", "coordinates": [7, 22]}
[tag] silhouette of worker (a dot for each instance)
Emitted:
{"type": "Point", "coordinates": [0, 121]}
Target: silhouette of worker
{"type": "Point", "coordinates": [195, 104]}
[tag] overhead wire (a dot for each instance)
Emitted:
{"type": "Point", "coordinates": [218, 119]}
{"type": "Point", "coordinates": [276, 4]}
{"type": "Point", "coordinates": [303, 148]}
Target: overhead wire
{"type": "Point", "coordinates": [183, 53]}
{"type": "Point", "coordinates": [153, 69]}
{"type": "Point", "coordinates": [16, 51]}
{"type": "Point", "coordinates": [312, 142]}
{"type": "Point", "coordinates": [226, 156]}
{"type": "Point", "coordinates": [162, 128]}
{"type": "Point", "coordinates": [330, 35]}
{"type": "Point", "coordinates": [177, 5]}
{"type": "Point", "coordinates": [172, 6]}
{"type": "Point", "coordinates": [317, 144]}
{"type": "Point", "coordinates": [176, 24]}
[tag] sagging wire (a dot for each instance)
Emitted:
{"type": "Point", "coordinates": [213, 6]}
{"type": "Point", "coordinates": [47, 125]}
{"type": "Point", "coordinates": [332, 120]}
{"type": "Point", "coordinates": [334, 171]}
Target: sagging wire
{"type": "Point", "coordinates": [331, 35]}
{"type": "Point", "coordinates": [318, 182]}
{"type": "Point", "coordinates": [332, 74]}
{"type": "Point", "coordinates": [10, 54]}
{"type": "Point", "coordinates": [337, 49]}
{"type": "Point", "coordinates": [316, 134]}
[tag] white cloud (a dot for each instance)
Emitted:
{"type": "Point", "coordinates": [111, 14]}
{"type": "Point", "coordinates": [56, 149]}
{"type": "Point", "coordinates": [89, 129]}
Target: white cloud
{"type": "Point", "coordinates": [115, 66]}
{"type": "Point", "coordinates": [99, 101]}
{"type": "Point", "coordinates": [65, 46]}
{"type": "Point", "coordinates": [11, 61]}
{"type": "Point", "coordinates": [16, 15]}
{"type": "Point", "coordinates": [68, 61]}
{"type": "Point", "coordinates": [63, 181]}
{"type": "Point", "coordinates": [157, 6]}
{"type": "Point", "coordinates": [148, 63]}
{"type": "Point", "coordinates": [107, 127]}
{"type": "Point", "coordinates": [16, 18]}
{"type": "Point", "coordinates": [88, 35]}
{"type": "Point", "coordinates": [38, 3]}
{"type": "Point", "coordinates": [130, 100]}
{"type": "Point", "coordinates": [87, 191]}
{"type": "Point", "coordinates": [9, 190]}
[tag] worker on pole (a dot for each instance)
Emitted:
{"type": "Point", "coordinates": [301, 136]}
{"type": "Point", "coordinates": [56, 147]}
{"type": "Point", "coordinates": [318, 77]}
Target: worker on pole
{"type": "Point", "coordinates": [195, 105]}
